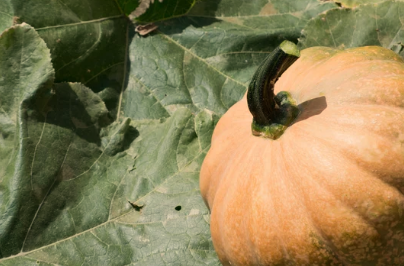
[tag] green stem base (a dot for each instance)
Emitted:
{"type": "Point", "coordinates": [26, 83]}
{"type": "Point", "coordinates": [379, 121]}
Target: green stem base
{"type": "Point", "coordinates": [286, 113]}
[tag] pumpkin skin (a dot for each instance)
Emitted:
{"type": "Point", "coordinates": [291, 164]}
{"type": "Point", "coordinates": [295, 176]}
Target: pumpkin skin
{"type": "Point", "coordinates": [329, 191]}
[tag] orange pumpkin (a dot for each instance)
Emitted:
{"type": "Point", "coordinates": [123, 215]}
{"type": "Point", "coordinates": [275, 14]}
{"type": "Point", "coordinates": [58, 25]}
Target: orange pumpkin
{"type": "Point", "coordinates": [327, 190]}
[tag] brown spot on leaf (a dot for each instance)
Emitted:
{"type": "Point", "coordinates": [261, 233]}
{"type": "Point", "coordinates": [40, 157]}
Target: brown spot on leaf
{"type": "Point", "coordinates": [78, 123]}
{"type": "Point", "coordinates": [16, 20]}
{"type": "Point", "coordinates": [234, 20]}
{"type": "Point", "coordinates": [268, 9]}
{"type": "Point", "coordinates": [67, 172]}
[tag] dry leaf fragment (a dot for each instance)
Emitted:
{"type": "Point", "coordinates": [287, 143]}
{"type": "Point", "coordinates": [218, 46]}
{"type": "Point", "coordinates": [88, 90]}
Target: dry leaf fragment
{"type": "Point", "coordinates": [141, 9]}
{"type": "Point", "coordinates": [145, 29]}
{"type": "Point", "coordinates": [16, 20]}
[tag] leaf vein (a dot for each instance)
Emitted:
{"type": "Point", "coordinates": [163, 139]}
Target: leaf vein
{"type": "Point", "coordinates": [43, 200]}
{"type": "Point", "coordinates": [201, 59]}
{"type": "Point", "coordinates": [35, 151]}
{"type": "Point", "coordinates": [124, 73]}
{"type": "Point", "coordinates": [95, 227]}
{"type": "Point", "coordinates": [80, 23]}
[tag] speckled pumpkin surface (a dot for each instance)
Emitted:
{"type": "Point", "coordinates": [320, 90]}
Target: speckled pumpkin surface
{"type": "Point", "coordinates": [329, 191]}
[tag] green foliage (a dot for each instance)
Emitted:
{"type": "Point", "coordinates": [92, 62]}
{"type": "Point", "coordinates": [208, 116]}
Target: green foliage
{"type": "Point", "coordinates": [161, 9]}
{"type": "Point", "coordinates": [372, 24]}
{"type": "Point", "coordinates": [355, 3]}
{"type": "Point", "coordinates": [103, 131]}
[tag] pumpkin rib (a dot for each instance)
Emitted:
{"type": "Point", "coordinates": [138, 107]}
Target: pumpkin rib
{"type": "Point", "coordinates": [329, 247]}
{"type": "Point", "coordinates": [370, 126]}
{"type": "Point", "coordinates": [383, 123]}
{"type": "Point", "coordinates": [278, 236]}
{"type": "Point", "coordinates": [223, 205]}
{"type": "Point", "coordinates": [375, 129]}
{"type": "Point", "coordinates": [365, 169]}
{"type": "Point", "coordinates": [365, 98]}
{"type": "Point", "coordinates": [285, 247]}
{"type": "Point", "coordinates": [314, 226]}
{"type": "Point", "coordinates": [228, 193]}
{"type": "Point", "coordinates": [307, 91]}
{"type": "Point", "coordinates": [344, 151]}
{"type": "Point", "coordinates": [289, 129]}
{"type": "Point", "coordinates": [385, 117]}
{"type": "Point", "coordinates": [224, 201]}
{"type": "Point", "coordinates": [239, 153]}
{"type": "Point", "coordinates": [396, 109]}
{"type": "Point", "coordinates": [285, 82]}
{"type": "Point", "coordinates": [330, 190]}
{"type": "Point", "coordinates": [225, 170]}
{"type": "Point", "coordinates": [333, 154]}
{"type": "Point", "coordinates": [341, 205]}
{"type": "Point", "coordinates": [224, 156]}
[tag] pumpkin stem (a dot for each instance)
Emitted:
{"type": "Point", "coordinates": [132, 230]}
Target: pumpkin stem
{"type": "Point", "coordinates": [272, 114]}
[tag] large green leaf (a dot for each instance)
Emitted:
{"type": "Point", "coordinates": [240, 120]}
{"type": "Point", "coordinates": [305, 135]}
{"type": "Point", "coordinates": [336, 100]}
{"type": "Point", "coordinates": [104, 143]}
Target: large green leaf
{"type": "Point", "coordinates": [234, 36]}
{"type": "Point", "coordinates": [78, 33]}
{"type": "Point", "coordinates": [372, 24]}
{"type": "Point", "coordinates": [74, 180]}
{"type": "Point", "coordinates": [150, 10]}
{"type": "Point", "coordinates": [6, 15]}
{"type": "Point", "coordinates": [105, 171]}
{"type": "Point", "coordinates": [355, 3]}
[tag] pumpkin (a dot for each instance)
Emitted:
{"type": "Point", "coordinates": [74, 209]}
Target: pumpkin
{"type": "Point", "coordinates": [308, 168]}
